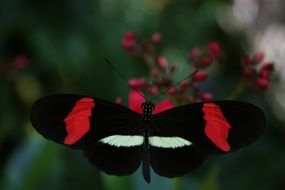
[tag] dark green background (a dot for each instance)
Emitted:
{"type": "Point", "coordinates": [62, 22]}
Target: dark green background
{"type": "Point", "coordinates": [66, 42]}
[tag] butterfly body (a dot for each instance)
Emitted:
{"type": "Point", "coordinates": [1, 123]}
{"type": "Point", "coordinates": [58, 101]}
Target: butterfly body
{"type": "Point", "coordinates": [172, 142]}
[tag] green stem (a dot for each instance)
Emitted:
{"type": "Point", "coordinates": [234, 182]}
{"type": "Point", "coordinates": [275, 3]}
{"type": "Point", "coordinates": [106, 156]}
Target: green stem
{"type": "Point", "coordinates": [177, 183]}
{"type": "Point", "coordinates": [239, 89]}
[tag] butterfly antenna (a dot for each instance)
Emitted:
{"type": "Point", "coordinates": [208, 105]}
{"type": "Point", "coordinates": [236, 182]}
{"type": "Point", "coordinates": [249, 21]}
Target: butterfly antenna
{"type": "Point", "coordinates": [124, 78]}
{"type": "Point", "coordinates": [176, 84]}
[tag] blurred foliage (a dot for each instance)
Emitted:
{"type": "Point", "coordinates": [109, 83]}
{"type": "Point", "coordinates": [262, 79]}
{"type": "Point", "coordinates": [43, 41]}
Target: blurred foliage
{"type": "Point", "coordinates": [66, 43]}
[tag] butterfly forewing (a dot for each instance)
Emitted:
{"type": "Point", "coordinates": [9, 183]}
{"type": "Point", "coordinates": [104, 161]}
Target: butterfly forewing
{"type": "Point", "coordinates": [77, 121]}
{"type": "Point", "coordinates": [219, 126]}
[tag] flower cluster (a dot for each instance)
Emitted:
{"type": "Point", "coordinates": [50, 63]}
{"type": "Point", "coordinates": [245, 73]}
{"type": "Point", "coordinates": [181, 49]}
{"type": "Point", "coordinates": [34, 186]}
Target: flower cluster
{"type": "Point", "coordinates": [161, 70]}
{"type": "Point", "coordinates": [257, 72]}
{"type": "Point", "coordinates": [203, 58]}
{"type": "Point", "coordinates": [16, 64]}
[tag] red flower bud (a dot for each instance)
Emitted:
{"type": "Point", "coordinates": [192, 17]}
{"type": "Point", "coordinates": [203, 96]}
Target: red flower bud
{"type": "Point", "coordinates": [145, 45]}
{"type": "Point", "coordinates": [266, 70]}
{"type": "Point", "coordinates": [173, 68]}
{"type": "Point", "coordinates": [19, 62]}
{"type": "Point", "coordinates": [207, 96]}
{"type": "Point", "coordinates": [153, 90]}
{"type": "Point", "coordinates": [129, 40]}
{"type": "Point", "coordinates": [262, 83]}
{"type": "Point", "coordinates": [207, 60]}
{"type": "Point", "coordinates": [162, 62]}
{"type": "Point", "coordinates": [246, 61]}
{"type": "Point", "coordinates": [172, 91]}
{"type": "Point", "coordinates": [184, 84]}
{"type": "Point", "coordinates": [138, 83]}
{"type": "Point", "coordinates": [119, 101]}
{"type": "Point", "coordinates": [247, 72]}
{"type": "Point", "coordinates": [258, 57]}
{"type": "Point", "coordinates": [264, 74]}
{"type": "Point", "coordinates": [156, 37]}
{"type": "Point", "coordinates": [200, 75]}
{"type": "Point", "coordinates": [268, 66]}
{"type": "Point", "coordinates": [154, 73]}
{"type": "Point", "coordinates": [194, 54]}
{"type": "Point", "coordinates": [214, 49]}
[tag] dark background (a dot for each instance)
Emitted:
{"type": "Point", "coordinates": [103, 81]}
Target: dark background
{"type": "Point", "coordinates": [66, 42]}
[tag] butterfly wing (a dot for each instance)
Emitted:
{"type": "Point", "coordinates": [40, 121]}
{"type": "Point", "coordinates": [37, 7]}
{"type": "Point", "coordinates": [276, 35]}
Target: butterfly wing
{"type": "Point", "coordinates": [185, 136]}
{"type": "Point", "coordinates": [107, 132]}
{"type": "Point", "coordinates": [218, 126]}
{"type": "Point", "coordinates": [175, 161]}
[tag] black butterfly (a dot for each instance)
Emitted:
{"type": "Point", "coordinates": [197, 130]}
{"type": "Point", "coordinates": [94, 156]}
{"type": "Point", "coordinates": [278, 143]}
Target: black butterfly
{"type": "Point", "coordinates": [174, 142]}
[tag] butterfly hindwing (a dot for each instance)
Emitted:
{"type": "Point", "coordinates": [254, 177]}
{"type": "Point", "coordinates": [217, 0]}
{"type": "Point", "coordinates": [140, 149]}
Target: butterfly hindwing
{"type": "Point", "coordinates": [118, 155]}
{"type": "Point", "coordinates": [77, 121]}
{"type": "Point", "coordinates": [218, 126]}
{"type": "Point", "coordinates": [175, 158]}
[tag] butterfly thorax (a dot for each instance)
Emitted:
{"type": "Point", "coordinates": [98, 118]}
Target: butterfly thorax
{"type": "Point", "coordinates": [147, 108]}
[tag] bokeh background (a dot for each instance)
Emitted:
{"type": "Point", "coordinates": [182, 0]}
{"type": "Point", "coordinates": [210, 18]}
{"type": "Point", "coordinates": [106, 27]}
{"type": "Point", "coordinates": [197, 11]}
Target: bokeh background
{"type": "Point", "coordinates": [49, 47]}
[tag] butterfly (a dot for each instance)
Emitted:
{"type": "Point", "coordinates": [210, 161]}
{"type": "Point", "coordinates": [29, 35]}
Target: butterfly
{"type": "Point", "coordinates": [173, 142]}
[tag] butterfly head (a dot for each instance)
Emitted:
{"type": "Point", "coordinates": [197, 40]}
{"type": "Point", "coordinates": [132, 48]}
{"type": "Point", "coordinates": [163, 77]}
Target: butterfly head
{"type": "Point", "coordinates": [147, 108]}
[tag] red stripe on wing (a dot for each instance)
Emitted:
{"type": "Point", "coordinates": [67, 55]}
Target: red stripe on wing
{"type": "Point", "coordinates": [78, 120]}
{"type": "Point", "coordinates": [217, 127]}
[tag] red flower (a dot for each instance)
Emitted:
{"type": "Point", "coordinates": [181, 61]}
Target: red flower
{"type": "Point", "coordinates": [135, 101]}
{"type": "Point", "coordinates": [129, 40]}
